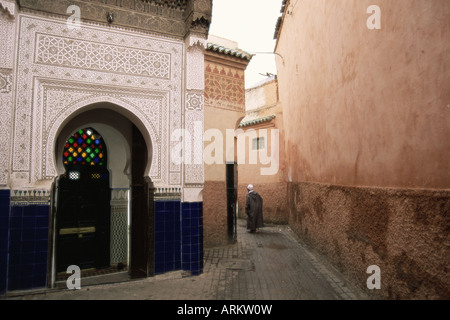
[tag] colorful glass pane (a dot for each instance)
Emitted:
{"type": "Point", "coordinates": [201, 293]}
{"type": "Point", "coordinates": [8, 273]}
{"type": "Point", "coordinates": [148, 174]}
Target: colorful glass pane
{"type": "Point", "coordinates": [85, 147]}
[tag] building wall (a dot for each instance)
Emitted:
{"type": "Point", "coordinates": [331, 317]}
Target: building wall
{"type": "Point", "coordinates": [4, 239]}
{"type": "Point", "coordinates": [262, 97]}
{"type": "Point", "coordinates": [402, 231]}
{"type": "Point", "coordinates": [215, 213]}
{"type": "Point", "coordinates": [224, 107]}
{"type": "Point", "coordinates": [389, 85]}
{"type": "Point", "coordinates": [7, 26]}
{"type": "Point", "coordinates": [366, 131]}
{"type": "Point", "coordinates": [178, 236]}
{"type": "Point", "coordinates": [262, 101]}
{"type": "Point", "coordinates": [7, 12]}
{"type": "Point", "coordinates": [214, 191]}
{"type": "Point", "coordinates": [51, 72]}
{"type": "Point", "coordinates": [28, 240]}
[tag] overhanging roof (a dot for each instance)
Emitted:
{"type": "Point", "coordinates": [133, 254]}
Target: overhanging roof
{"type": "Point", "coordinates": [230, 52]}
{"type": "Point", "coordinates": [256, 121]}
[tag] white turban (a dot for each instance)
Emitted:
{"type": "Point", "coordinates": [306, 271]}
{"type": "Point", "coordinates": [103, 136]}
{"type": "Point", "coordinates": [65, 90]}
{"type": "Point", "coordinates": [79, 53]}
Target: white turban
{"type": "Point", "coordinates": [250, 187]}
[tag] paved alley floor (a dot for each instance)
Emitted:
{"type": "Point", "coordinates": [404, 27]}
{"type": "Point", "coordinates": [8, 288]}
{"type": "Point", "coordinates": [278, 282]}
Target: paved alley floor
{"type": "Point", "coordinates": [269, 265]}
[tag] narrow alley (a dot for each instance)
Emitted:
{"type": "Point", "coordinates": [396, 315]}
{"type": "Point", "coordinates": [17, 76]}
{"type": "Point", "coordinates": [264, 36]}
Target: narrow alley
{"type": "Point", "coordinates": [269, 265]}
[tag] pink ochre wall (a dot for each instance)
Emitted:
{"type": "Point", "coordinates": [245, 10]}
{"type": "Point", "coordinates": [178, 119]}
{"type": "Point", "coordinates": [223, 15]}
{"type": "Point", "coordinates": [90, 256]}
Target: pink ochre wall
{"type": "Point", "coordinates": [367, 107]}
{"type": "Point", "coordinates": [366, 117]}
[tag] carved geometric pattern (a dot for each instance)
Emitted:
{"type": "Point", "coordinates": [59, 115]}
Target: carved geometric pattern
{"type": "Point", "coordinates": [5, 81]}
{"type": "Point", "coordinates": [7, 24]}
{"type": "Point", "coordinates": [5, 132]}
{"type": "Point", "coordinates": [53, 84]}
{"type": "Point", "coordinates": [60, 100]}
{"type": "Point", "coordinates": [194, 174]}
{"type": "Point", "coordinates": [194, 101]}
{"type": "Point", "coordinates": [9, 7]}
{"type": "Point", "coordinates": [178, 4]}
{"type": "Point", "coordinates": [193, 168]}
{"type": "Point", "coordinates": [30, 197]}
{"type": "Point", "coordinates": [119, 236]}
{"type": "Point", "coordinates": [119, 225]}
{"type": "Point", "coordinates": [224, 87]}
{"type": "Point", "coordinates": [7, 40]}
{"type": "Point", "coordinates": [175, 178]}
{"type": "Point", "coordinates": [98, 56]}
{"type": "Point", "coordinates": [160, 16]}
{"type": "Point", "coordinates": [195, 79]}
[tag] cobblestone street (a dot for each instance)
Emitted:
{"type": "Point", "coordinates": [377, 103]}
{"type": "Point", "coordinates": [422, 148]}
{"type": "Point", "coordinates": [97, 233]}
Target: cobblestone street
{"type": "Point", "coordinates": [269, 265]}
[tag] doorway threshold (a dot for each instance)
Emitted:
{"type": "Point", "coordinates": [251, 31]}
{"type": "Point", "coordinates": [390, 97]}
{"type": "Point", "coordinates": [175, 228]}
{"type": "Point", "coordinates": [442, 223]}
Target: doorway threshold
{"type": "Point", "coordinates": [94, 276]}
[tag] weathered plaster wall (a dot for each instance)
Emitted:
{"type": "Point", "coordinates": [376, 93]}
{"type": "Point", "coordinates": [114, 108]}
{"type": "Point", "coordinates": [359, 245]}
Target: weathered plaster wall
{"type": "Point", "coordinates": [403, 231]}
{"type": "Point", "coordinates": [214, 191]}
{"type": "Point", "coordinates": [215, 213]}
{"type": "Point", "coordinates": [263, 95]}
{"type": "Point", "coordinates": [367, 107]}
{"type": "Point", "coordinates": [224, 107]}
{"type": "Point", "coordinates": [366, 118]}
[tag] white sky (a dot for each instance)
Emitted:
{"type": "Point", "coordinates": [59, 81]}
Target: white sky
{"type": "Point", "coordinates": [251, 23]}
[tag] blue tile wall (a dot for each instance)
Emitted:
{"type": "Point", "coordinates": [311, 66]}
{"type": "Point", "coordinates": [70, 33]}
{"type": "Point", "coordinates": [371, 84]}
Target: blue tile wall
{"type": "Point", "coordinates": [178, 236]}
{"type": "Point", "coordinates": [167, 236]}
{"type": "Point", "coordinates": [192, 237]}
{"type": "Point", "coordinates": [28, 241]}
{"type": "Point", "coordinates": [4, 223]}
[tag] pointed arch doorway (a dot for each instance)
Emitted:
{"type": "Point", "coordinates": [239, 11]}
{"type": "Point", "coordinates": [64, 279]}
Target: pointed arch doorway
{"type": "Point", "coordinates": [89, 225]}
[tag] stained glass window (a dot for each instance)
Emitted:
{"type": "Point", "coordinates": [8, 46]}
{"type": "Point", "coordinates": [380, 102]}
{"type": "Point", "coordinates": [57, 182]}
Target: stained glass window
{"type": "Point", "coordinates": [85, 148]}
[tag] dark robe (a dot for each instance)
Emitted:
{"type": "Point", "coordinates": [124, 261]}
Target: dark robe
{"type": "Point", "coordinates": [253, 208]}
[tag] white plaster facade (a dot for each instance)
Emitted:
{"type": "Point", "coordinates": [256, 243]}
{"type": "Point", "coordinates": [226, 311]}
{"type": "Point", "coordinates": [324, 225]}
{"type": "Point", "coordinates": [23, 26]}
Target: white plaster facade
{"type": "Point", "coordinates": [50, 74]}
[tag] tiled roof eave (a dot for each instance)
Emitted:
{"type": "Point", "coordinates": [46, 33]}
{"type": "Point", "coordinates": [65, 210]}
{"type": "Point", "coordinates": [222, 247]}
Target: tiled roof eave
{"type": "Point", "coordinates": [230, 52]}
{"type": "Point", "coordinates": [256, 121]}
